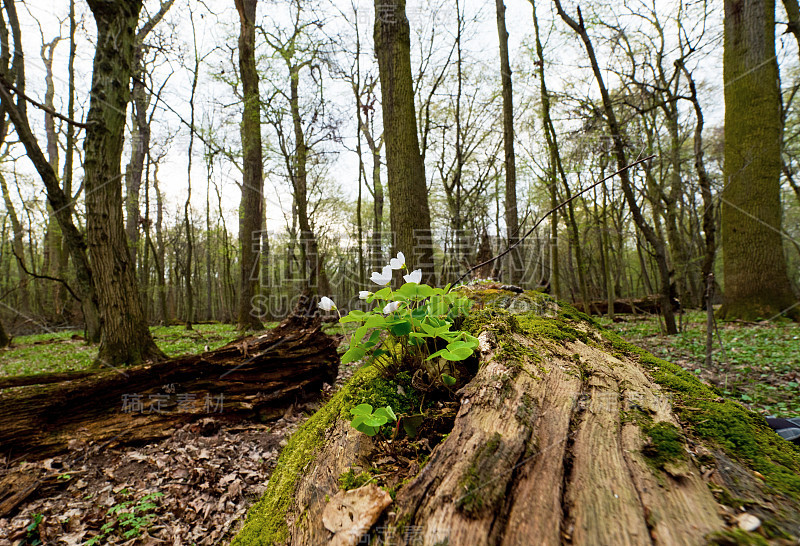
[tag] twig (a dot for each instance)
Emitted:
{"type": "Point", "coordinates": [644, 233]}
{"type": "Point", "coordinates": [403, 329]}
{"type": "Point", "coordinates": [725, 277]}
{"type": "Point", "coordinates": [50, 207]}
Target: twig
{"type": "Point", "coordinates": [551, 211]}
{"type": "Point", "coordinates": [41, 106]}
{"type": "Point", "coordinates": [21, 263]}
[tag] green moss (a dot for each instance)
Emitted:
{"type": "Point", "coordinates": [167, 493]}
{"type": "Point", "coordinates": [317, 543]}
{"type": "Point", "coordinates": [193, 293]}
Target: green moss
{"type": "Point", "coordinates": [516, 354]}
{"type": "Point", "coordinates": [736, 537]}
{"type": "Point", "coordinates": [526, 410]}
{"type": "Point", "coordinates": [529, 323]}
{"type": "Point", "coordinates": [491, 319]}
{"type": "Point", "coordinates": [483, 492]}
{"type": "Point", "coordinates": [665, 446]}
{"type": "Point", "coordinates": [350, 480]}
{"type": "Point", "coordinates": [742, 434]}
{"type": "Point", "coordinates": [383, 392]}
{"type": "Point", "coordinates": [266, 520]}
{"type": "Point", "coordinates": [556, 329]}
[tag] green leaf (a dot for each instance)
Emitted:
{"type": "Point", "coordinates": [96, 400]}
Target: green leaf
{"type": "Point", "coordinates": [381, 294]}
{"type": "Point", "coordinates": [440, 352]}
{"type": "Point", "coordinates": [448, 380]}
{"type": "Point", "coordinates": [366, 429]}
{"type": "Point", "coordinates": [411, 424]}
{"type": "Point", "coordinates": [414, 291]}
{"type": "Point", "coordinates": [353, 354]}
{"type": "Point", "coordinates": [362, 409]}
{"type": "Point", "coordinates": [375, 321]}
{"type": "Point", "coordinates": [401, 329]}
{"type": "Point", "coordinates": [356, 315]}
{"type": "Point", "coordinates": [358, 335]}
{"type": "Point", "coordinates": [375, 420]}
{"type": "Point", "coordinates": [458, 354]}
{"type": "Point", "coordinates": [386, 413]}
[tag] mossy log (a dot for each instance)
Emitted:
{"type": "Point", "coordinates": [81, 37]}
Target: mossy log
{"type": "Point", "coordinates": [253, 376]}
{"type": "Point", "coordinates": [566, 434]}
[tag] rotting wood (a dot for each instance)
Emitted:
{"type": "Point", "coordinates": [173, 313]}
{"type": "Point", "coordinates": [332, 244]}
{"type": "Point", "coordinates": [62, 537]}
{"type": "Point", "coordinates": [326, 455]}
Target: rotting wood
{"type": "Point", "coordinates": [551, 448]}
{"type": "Point", "coordinates": [250, 377]}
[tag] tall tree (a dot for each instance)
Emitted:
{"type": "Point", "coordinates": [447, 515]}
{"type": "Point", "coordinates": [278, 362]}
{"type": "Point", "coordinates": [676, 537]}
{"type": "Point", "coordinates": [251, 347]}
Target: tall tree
{"type": "Point", "coordinates": [409, 212]}
{"type": "Point", "coordinates": [60, 200]}
{"type": "Point", "coordinates": [125, 337]}
{"type": "Point", "coordinates": [250, 210]}
{"type": "Point", "coordinates": [754, 264]}
{"type": "Point", "coordinates": [618, 142]}
{"type": "Point", "coordinates": [511, 216]}
{"type": "Point", "coordinates": [140, 133]}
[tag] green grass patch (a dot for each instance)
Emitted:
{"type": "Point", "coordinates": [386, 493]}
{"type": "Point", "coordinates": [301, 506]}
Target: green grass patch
{"type": "Point", "coordinates": [66, 351]}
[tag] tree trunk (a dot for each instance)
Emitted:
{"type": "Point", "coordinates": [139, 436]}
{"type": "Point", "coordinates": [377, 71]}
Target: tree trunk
{"type": "Point", "coordinates": [756, 285]}
{"type": "Point", "coordinates": [18, 246]}
{"type": "Point", "coordinates": [408, 193]}
{"type": "Point", "coordinates": [576, 438]}
{"type": "Point", "coordinates": [4, 339]}
{"type": "Point", "coordinates": [250, 212]}
{"type": "Point", "coordinates": [515, 266]}
{"type": "Point", "coordinates": [309, 249]}
{"type": "Point", "coordinates": [125, 338]}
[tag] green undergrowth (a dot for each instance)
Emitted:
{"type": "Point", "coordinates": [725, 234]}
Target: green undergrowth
{"type": "Point", "coordinates": [266, 520]}
{"type": "Point", "coordinates": [66, 351]}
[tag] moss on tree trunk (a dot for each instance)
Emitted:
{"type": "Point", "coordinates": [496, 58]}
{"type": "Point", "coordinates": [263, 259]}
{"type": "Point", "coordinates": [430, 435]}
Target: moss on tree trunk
{"type": "Point", "coordinates": [756, 281]}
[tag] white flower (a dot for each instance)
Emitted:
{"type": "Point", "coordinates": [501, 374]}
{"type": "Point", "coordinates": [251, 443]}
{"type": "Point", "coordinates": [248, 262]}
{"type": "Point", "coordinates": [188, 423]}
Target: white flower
{"type": "Point", "coordinates": [384, 277]}
{"type": "Point", "coordinates": [391, 307]}
{"type": "Point", "coordinates": [414, 276]}
{"type": "Point", "coordinates": [399, 262]}
{"type": "Point", "coordinates": [364, 294]}
{"type": "Point", "coordinates": [326, 304]}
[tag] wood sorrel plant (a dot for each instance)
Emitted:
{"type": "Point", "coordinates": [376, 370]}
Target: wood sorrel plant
{"type": "Point", "coordinates": [412, 325]}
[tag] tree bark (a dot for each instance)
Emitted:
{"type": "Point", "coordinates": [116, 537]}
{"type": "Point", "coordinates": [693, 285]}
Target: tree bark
{"type": "Point", "coordinates": [408, 193]}
{"type": "Point", "coordinates": [250, 212]}
{"type": "Point", "coordinates": [4, 338]}
{"type": "Point", "coordinates": [756, 283]}
{"type": "Point", "coordinates": [515, 266]}
{"type": "Point", "coordinates": [125, 338]}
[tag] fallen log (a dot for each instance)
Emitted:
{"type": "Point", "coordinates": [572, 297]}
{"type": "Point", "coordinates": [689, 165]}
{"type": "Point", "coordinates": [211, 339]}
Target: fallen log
{"type": "Point", "coordinates": [563, 434]}
{"type": "Point", "coordinates": [250, 377]}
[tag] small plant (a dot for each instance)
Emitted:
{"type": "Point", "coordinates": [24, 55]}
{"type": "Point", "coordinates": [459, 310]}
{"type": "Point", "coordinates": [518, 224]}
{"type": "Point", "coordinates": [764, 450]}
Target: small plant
{"type": "Point", "coordinates": [416, 320]}
{"type": "Point", "coordinates": [32, 530]}
{"type": "Point", "coordinates": [369, 422]}
{"type": "Point", "coordinates": [131, 519]}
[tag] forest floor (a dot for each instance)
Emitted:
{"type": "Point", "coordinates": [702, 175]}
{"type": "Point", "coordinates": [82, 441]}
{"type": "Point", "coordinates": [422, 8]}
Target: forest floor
{"type": "Point", "coordinates": [194, 487]}
{"type": "Point", "coordinates": [757, 364]}
{"type": "Point", "coordinates": [190, 489]}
